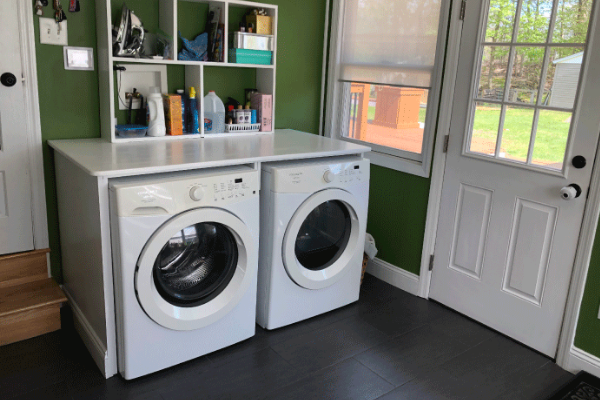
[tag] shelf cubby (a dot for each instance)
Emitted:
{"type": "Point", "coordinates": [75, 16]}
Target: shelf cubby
{"type": "Point", "coordinates": [189, 17]}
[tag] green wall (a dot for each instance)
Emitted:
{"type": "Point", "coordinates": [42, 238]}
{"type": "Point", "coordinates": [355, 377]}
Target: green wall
{"type": "Point", "coordinates": [69, 105]}
{"type": "Point", "coordinates": [588, 327]}
{"type": "Point", "coordinates": [397, 216]}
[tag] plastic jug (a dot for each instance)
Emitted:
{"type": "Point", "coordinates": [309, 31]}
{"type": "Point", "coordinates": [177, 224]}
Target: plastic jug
{"type": "Point", "coordinates": [156, 113]}
{"type": "Point", "coordinates": [214, 113]}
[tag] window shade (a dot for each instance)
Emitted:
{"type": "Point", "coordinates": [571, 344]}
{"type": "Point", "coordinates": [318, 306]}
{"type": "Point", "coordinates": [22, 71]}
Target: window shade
{"type": "Point", "coordinates": [389, 42]}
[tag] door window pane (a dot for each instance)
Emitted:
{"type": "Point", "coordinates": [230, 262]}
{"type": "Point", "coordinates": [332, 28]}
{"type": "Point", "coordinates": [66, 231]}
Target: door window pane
{"type": "Point", "coordinates": [551, 138]}
{"type": "Point", "coordinates": [542, 76]}
{"type": "Point", "coordinates": [572, 19]}
{"type": "Point", "coordinates": [388, 116]}
{"type": "Point", "coordinates": [492, 78]}
{"type": "Point", "coordinates": [562, 77]}
{"type": "Point", "coordinates": [485, 128]}
{"type": "Point", "coordinates": [323, 236]}
{"type": "Point", "coordinates": [534, 21]}
{"type": "Point", "coordinates": [196, 264]}
{"type": "Point", "coordinates": [516, 133]}
{"type": "Point", "coordinates": [526, 75]}
{"type": "Point", "coordinates": [501, 19]}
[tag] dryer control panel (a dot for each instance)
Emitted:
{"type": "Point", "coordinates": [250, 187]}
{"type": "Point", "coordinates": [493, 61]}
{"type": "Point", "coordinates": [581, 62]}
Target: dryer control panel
{"type": "Point", "coordinates": [311, 176]}
{"type": "Point", "coordinates": [176, 193]}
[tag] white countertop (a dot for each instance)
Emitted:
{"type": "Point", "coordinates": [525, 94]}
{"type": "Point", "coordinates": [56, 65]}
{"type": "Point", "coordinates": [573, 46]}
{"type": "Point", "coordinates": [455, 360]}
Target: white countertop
{"type": "Point", "coordinates": [101, 158]}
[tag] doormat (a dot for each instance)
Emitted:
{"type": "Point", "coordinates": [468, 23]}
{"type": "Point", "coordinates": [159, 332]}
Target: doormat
{"type": "Point", "coordinates": [582, 387]}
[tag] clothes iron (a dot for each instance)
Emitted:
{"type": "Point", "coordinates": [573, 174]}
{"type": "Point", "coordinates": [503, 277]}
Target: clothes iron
{"type": "Point", "coordinates": [129, 38]}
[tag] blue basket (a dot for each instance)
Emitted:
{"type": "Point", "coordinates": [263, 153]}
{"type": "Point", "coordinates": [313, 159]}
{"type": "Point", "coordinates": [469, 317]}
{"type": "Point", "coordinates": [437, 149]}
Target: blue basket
{"type": "Point", "coordinates": [247, 56]}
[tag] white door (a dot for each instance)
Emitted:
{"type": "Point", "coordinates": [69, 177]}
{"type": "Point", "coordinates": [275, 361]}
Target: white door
{"type": "Point", "coordinates": [16, 227]}
{"type": "Point", "coordinates": [506, 238]}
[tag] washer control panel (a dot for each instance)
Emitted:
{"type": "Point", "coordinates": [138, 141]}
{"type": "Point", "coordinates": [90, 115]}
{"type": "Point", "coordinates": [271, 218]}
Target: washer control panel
{"type": "Point", "coordinates": [312, 176]}
{"type": "Point", "coordinates": [176, 193]}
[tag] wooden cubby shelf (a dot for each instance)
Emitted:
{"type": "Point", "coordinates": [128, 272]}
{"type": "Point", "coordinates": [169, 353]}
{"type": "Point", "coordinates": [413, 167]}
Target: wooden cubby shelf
{"type": "Point", "coordinates": [165, 16]}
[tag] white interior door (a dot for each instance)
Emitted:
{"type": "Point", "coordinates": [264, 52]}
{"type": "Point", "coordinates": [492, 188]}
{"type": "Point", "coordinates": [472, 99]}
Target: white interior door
{"type": "Point", "coordinates": [526, 103]}
{"type": "Point", "coordinates": [16, 228]}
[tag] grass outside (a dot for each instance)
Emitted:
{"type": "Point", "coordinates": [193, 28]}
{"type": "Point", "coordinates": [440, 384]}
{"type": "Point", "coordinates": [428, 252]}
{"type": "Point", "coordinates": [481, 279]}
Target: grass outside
{"type": "Point", "coordinates": [551, 135]}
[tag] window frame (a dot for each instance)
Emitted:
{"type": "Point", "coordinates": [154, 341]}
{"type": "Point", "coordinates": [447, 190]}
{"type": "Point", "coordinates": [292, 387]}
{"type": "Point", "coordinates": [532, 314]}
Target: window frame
{"type": "Point", "coordinates": [513, 44]}
{"type": "Point", "coordinates": [336, 119]}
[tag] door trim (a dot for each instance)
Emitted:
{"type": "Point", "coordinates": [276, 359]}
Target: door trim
{"type": "Point", "coordinates": [33, 127]}
{"type": "Point", "coordinates": [583, 254]}
{"type": "Point", "coordinates": [439, 156]}
{"type": "Point", "coordinates": [591, 214]}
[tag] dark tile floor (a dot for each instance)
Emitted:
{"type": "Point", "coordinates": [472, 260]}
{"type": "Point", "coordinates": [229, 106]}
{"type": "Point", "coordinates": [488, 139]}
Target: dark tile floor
{"type": "Point", "coordinates": [389, 345]}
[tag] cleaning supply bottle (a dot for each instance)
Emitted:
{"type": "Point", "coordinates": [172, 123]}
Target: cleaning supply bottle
{"type": "Point", "coordinates": [156, 113]}
{"type": "Point", "coordinates": [192, 112]}
{"type": "Point", "coordinates": [181, 94]}
{"type": "Point", "coordinates": [214, 113]}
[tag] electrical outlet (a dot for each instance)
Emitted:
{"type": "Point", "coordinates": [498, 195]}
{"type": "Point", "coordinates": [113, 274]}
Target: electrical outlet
{"type": "Point", "coordinates": [49, 33]}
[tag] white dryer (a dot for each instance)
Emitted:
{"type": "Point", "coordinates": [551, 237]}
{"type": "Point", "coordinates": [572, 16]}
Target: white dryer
{"type": "Point", "coordinates": [313, 224]}
{"type": "Point", "coordinates": [185, 256]}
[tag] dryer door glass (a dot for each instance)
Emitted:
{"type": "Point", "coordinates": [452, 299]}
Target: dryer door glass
{"type": "Point", "coordinates": [196, 264]}
{"type": "Point", "coordinates": [323, 236]}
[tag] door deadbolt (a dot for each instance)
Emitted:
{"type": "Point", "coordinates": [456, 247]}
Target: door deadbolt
{"type": "Point", "coordinates": [8, 79]}
{"type": "Point", "coordinates": [579, 162]}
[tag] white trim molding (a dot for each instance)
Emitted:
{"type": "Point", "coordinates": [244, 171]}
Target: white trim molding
{"type": "Point", "coordinates": [91, 340]}
{"type": "Point", "coordinates": [580, 360]}
{"type": "Point", "coordinates": [439, 158]}
{"type": "Point", "coordinates": [33, 126]}
{"type": "Point", "coordinates": [394, 275]}
{"type": "Point", "coordinates": [587, 234]}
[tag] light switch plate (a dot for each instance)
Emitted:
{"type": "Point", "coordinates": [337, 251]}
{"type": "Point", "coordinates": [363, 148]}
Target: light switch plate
{"type": "Point", "coordinates": [49, 33]}
{"type": "Point", "coordinates": [79, 58]}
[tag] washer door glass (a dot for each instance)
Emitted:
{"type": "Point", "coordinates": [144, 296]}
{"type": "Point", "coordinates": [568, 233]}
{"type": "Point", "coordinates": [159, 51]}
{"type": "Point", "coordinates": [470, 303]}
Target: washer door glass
{"type": "Point", "coordinates": [323, 236]}
{"type": "Point", "coordinates": [196, 264]}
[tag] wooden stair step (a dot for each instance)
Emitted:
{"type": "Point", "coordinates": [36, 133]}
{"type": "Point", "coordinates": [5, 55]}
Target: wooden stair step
{"type": "Point", "coordinates": [29, 310]}
{"type": "Point", "coordinates": [27, 296]}
{"type": "Point", "coordinates": [19, 268]}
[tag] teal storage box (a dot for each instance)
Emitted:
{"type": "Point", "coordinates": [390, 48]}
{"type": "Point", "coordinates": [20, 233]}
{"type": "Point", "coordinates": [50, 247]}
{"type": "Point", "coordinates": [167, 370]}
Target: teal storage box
{"type": "Point", "coordinates": [246, 56]}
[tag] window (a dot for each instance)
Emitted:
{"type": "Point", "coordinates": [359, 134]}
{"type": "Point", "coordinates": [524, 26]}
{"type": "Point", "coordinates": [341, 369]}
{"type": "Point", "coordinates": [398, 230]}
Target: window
{"type": "Point", "coordinates": [385, 66]}
{"type": "Point", "coordinates": [529, 61]}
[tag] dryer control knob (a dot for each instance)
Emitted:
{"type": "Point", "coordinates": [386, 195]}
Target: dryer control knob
{"type": "Point", "coordinates": [196, 193]}
{"type": "Point", "coordinates": [328, 176]}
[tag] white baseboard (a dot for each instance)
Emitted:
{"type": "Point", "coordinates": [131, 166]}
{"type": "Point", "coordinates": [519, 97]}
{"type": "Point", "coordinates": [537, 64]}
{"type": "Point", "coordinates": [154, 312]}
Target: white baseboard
{"type": "Point", "coordinates": [580, 360]}
{"type": "Point", "coordinates": [393, 275]}
{"type": "Point", "coordinates": [90, 338]}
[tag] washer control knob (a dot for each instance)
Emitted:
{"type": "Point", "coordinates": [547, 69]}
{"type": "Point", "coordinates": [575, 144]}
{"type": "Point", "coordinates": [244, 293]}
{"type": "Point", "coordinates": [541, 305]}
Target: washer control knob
{"type": "Point", "coordinates": [328, 176]}
{"type": "Point", "coordinates": [196, 193]}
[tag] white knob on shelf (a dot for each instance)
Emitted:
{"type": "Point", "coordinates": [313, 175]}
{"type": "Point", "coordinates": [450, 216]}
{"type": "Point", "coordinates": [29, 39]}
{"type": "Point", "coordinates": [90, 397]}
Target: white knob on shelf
{"type": "Point", "coordinates": [196, 193]}
{"type": "Point", "coordinates": [328, 176]}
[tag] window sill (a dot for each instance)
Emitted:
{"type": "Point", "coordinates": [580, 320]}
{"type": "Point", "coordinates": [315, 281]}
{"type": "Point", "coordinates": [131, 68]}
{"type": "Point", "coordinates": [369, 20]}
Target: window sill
{"type": "Point", "coordinates": [398, 164]}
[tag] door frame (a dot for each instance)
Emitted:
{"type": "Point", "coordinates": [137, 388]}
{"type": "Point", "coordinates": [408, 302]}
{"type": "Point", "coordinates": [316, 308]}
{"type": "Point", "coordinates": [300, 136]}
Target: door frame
{"type": "Point", "coordinates": [33, 127]}
{"type": "Point", "coordinates": [591, 215]}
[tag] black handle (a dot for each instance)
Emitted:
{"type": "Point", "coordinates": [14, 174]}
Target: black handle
{"type": "Point", "coordinates": [579, 162]}
{"type": "Point", "coordinates": [8, 79]}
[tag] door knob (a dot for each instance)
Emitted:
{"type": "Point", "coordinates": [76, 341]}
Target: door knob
{"type": "Point", "coordinates": [8, 79]}
{"type": "Point", "coordinates": [570, 192]}
{"type": "Point", "coordinates": [579, 162]}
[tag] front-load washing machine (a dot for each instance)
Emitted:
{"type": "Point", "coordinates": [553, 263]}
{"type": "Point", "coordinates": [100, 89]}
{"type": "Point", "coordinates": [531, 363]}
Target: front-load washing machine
{"type": "Point", "coordinates": [185, 256]}
{"type": "Point", "coordinates": [313, 223]}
